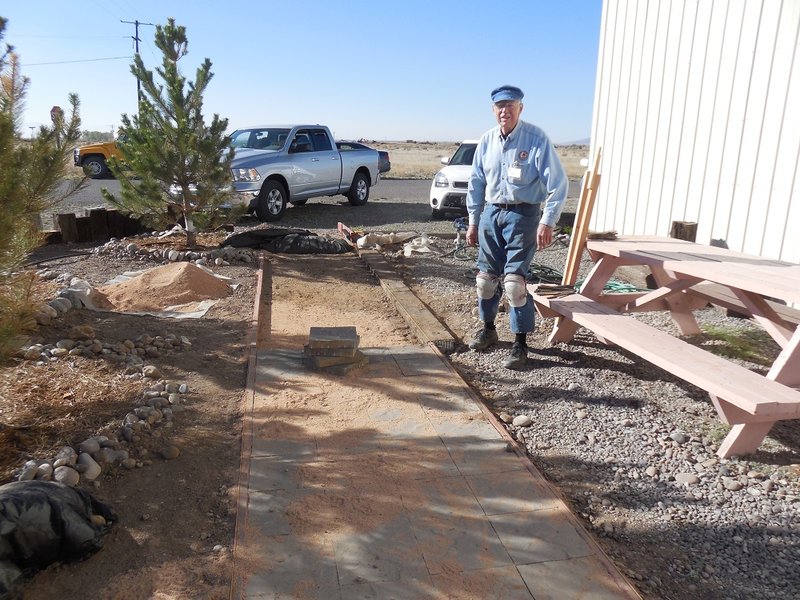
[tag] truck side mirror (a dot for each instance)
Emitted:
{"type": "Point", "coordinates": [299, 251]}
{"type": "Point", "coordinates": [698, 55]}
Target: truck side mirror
{"type": "Point", "coordinates": [445, 160]}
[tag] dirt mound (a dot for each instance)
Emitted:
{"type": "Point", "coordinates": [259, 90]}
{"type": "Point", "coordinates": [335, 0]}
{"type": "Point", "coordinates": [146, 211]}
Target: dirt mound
{"type": "Point", "coordinates": [170, 285]}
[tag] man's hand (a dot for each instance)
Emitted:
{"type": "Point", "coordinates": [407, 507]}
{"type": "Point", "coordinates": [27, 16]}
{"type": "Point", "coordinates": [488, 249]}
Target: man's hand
{"type": "Point", "coordinates": [544, 236]}
{"type": "Point", "coordinates": [472, 235]}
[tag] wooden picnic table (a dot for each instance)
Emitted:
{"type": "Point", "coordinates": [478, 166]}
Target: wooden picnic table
{"type": "Point", "coordinates": [686, 274]}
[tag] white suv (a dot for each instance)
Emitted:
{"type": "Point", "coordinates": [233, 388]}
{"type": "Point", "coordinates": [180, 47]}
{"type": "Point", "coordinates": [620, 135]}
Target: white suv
{"type": "Point", "coordinates": [449, 187]}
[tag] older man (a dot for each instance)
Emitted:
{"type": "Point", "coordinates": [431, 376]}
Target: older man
{"type": "Point", "coordinates": [516, 192]}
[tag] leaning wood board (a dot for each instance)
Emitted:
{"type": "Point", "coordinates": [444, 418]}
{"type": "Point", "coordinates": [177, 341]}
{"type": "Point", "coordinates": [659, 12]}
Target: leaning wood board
{"type": "Point", "coordinates": [580, 229]}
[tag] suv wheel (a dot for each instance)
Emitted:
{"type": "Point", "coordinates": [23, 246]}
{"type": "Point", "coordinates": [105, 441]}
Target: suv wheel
{"type": "Point", "coordinates": [95, 166]}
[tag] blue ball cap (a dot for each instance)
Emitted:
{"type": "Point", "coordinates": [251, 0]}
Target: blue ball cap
{"type": "Point", "coordinates": [506, 92]}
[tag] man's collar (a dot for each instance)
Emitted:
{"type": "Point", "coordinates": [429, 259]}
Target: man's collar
{"type": "Point", "coordinates": [503, 138]}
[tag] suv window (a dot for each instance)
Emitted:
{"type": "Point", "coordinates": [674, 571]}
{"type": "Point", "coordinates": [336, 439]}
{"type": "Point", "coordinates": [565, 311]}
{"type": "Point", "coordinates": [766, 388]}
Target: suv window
{"type": "Point", "coordinates": [464, 155]}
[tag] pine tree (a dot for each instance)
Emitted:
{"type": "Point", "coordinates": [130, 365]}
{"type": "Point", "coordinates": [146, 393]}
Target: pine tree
{"type": "Point", "coordinates": [31, 174]}
{"type": "Point", "coordinates": [174, 164]}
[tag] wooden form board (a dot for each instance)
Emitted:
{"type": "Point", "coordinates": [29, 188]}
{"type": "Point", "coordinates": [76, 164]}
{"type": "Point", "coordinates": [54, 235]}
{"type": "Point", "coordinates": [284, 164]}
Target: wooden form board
{"type": "Point", "coordinates": [583, 214]}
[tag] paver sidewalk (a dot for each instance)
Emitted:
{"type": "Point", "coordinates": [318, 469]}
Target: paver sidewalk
{"type": "Point", "coordinates": [410, 492]}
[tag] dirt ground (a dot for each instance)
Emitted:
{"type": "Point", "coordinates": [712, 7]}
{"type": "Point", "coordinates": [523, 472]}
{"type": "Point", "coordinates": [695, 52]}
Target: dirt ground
{"type": "Point", "coordinates": [172, 513]}
{"type": "Point", "coordinates": [176, 517]}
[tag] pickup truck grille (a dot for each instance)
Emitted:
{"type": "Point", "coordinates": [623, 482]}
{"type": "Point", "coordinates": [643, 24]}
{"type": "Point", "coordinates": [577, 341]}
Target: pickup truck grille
{"type": "Point", "coordinates": [460, 184]}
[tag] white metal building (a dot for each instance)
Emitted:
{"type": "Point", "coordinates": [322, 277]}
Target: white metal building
{"type": "Point", "coordinates": [697, 111]}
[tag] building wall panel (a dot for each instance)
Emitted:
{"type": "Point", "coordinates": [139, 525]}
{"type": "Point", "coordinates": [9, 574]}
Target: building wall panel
{"type": "Point", "coordinates": [694, 112]}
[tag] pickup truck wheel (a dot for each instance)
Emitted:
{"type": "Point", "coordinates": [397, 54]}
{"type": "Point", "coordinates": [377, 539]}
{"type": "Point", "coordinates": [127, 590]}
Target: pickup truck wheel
{"type": "Point", "coordinates": [359, 190]}
{"type": "Point", "coordinates": [437, 215]}
{"type": "Point", "coordinates": [96, 167]}
{"type": "Point", "coordinates": [271, 202]}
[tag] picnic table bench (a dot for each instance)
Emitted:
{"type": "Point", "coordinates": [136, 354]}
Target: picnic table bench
{"type": "Point", "coordinates": [747, 401]}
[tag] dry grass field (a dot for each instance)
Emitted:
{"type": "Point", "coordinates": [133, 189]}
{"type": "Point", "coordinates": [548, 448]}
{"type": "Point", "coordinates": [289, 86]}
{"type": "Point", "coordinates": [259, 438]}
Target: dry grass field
{"type": "Point", "coordinates": [421, 160]}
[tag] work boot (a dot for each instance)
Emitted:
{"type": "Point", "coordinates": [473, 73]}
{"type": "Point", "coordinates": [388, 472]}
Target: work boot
{"type": "Point", "coordinates": [483, 339]}
{"type": "Point", "coordinates": [518, 357]}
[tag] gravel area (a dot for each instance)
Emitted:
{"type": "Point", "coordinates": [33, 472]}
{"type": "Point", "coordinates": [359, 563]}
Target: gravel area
{"type": "Point", "coordinates": [633, 448]}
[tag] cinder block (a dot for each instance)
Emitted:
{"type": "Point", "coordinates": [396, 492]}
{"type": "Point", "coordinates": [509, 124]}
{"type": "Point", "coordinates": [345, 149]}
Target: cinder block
{"type": "Point", "coordinates": [345, 369]}
{"type": "Point", "coordinates": [319, 362]}
{"type": "Point", "coordinates": [333, 337]}
{"type": "Point", "coordinates": [349, 352]}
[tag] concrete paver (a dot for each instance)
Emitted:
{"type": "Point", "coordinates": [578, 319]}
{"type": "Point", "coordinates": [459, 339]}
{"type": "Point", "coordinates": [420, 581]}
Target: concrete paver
{"type": "Point", "coordinates": [418, 496]}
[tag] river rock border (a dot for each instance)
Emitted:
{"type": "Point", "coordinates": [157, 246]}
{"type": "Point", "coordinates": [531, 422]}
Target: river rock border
{"type": "Point", "coordinates": [141, 433]}
{"type": "Point", "coordinates": [131, 250]}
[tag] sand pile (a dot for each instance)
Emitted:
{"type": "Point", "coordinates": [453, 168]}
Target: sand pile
{"type": "Point", "coordinates": [170, 285]}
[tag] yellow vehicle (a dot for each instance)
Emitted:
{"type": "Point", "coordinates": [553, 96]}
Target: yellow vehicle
{"type": "Point", "coordinates": [93, 158]}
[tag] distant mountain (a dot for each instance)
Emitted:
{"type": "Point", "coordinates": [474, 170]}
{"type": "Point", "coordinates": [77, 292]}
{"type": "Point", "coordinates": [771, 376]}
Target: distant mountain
{"type": "Point", "coordinates": [584, 142]}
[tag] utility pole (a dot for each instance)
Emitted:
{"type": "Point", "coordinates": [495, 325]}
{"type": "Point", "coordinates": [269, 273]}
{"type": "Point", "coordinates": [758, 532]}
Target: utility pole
{"type": "Point", "coordinates": [32, 128]}
{"type": "Point", "coordinates": [136, 42]}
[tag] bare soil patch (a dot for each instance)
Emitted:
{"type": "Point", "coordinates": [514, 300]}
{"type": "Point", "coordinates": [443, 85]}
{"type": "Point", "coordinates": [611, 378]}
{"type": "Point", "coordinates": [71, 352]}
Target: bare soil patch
{"type": "Point", "coordinates": [177, 517]}
{"type": "Point", "coordinates": [176, 523]}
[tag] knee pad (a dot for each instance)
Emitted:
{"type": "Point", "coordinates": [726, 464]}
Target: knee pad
{"type": "Point", "coordinates": [486, 284]}
{"type": "Point", "coordinates": [516, 290]}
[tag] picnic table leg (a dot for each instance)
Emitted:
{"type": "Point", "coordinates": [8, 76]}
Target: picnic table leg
{"type": "Point", "coordinates": [564, 329]}
{"type": "Point", "coordinates": [786, 368]}
{"type": "Point", "coordinates": [680, 309]}
{"type": "Point", "coordinates": [747, 430]}
{"type": "Point", "coordinates": [744, 438]}
{"type": "Point", "coordinates": [598, 277]}
{"type": "Point", "coordinates": [773, 324]}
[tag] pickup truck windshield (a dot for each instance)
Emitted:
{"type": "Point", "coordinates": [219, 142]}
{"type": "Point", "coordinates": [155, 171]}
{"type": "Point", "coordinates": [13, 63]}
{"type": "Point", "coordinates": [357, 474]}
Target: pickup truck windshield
{"type": "Point", "coordinates": [262, 138]}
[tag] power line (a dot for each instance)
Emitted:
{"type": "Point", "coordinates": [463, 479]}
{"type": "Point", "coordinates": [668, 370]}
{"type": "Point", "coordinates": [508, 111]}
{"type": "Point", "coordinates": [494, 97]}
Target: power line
{"type": "Point", "coordinates": [136, 40]}
{"type": "Point", "coordinates": [83, 60]}
{"type": "Point", "coordinates": [71, 37]}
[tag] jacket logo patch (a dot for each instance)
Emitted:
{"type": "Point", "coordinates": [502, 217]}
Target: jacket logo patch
{"type": "Point", "coordinates": [523, 155]}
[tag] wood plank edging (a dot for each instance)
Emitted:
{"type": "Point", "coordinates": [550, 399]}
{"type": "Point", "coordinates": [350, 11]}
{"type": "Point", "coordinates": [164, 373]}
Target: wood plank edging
{"type": "Point", "coordinates": [425, 325]}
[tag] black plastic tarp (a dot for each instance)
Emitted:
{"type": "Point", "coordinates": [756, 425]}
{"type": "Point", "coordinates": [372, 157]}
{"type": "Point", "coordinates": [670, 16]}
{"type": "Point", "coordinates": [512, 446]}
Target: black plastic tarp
{"type": "Point", "coordinates": [287, 241]}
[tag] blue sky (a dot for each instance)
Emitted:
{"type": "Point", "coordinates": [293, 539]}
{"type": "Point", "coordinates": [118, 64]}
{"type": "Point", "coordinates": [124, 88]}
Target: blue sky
{"type": "Point", "coordinates": [378, 70]}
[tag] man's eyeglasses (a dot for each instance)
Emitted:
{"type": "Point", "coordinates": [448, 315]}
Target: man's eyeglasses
{"type": "Point", "coordinates": [506, 104]}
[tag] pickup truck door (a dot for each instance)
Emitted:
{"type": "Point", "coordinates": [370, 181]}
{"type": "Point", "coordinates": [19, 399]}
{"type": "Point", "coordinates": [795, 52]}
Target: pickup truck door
{"type": "Point", "coordinates": [316, 163]}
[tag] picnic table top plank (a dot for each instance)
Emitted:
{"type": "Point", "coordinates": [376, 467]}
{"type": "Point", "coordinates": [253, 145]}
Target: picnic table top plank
{"type": "Point", "coordinates": [768, 277]}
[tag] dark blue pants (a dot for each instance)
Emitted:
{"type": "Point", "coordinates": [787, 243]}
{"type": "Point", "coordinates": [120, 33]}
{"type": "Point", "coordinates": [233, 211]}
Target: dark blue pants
{"type": "Point", "coordinates": [507, 243]}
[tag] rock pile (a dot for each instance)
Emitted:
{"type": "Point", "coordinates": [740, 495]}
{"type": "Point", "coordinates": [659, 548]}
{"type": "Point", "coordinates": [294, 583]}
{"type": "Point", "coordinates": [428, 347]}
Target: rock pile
{"type": "Point", "coordinates": [333, 350]}
{"type": "Point", "coordinates": [217, 257]}
{"type": "Point", "coordinates": [130, 354]}
{"type": "Point", "coordinates": [139, 438]}
{"type": "Point", "coordinates": [139, 435]}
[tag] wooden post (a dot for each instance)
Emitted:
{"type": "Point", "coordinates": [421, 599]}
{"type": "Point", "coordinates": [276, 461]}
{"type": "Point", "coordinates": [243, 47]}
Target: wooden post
{"type": "Point", "coordinates": [131, 226]}
{"type": "Point", "coordinates": [116, 224]}
{"type": "Point", "coordinates": [67, 224]}
{"type": "Point", "coordinates": [684, 230]}
{"type": "Point", "coordinates": [84, 229]}
{"type": "Point", "coordinates": [98, 224]}
{"type": "Point", "coordinates": [577, 241]}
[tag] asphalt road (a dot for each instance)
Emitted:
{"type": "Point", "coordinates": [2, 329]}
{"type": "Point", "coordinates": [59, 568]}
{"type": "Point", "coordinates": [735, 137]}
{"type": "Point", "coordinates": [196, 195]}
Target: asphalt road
{"type": "Point", "coordinates": [394, 204]}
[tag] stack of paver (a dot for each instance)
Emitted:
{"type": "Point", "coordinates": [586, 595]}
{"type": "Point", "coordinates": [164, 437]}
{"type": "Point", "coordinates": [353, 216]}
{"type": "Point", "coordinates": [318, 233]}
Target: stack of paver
{"type": "Point", "coordinates": [333, 350]}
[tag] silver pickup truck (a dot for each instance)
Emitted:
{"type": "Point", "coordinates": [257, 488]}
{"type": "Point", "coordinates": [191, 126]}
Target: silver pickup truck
{"type": "Point", "coordinates": [277, 164]}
